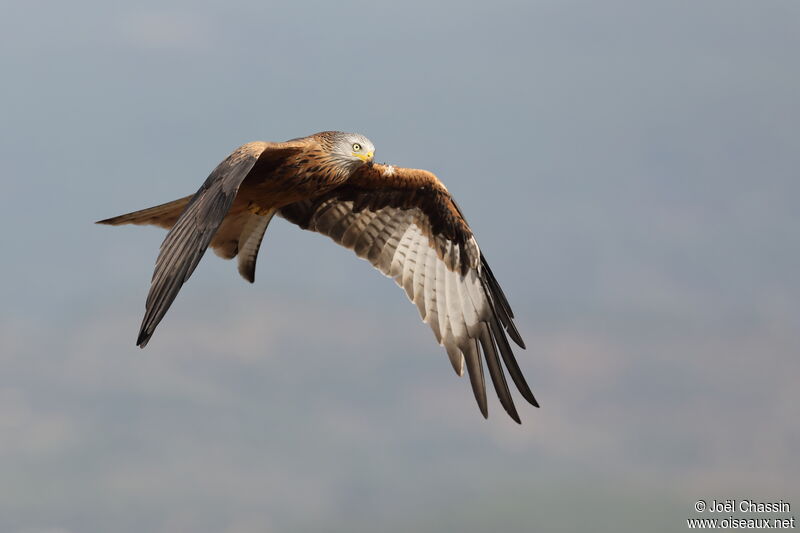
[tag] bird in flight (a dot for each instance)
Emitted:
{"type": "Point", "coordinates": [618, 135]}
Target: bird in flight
{"type": "Point", "coordinates": [401, 220]}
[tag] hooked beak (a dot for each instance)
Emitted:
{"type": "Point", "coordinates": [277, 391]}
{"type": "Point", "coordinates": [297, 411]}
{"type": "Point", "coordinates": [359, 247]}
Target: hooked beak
{"type": "Point", "coordinates": [364, 157]}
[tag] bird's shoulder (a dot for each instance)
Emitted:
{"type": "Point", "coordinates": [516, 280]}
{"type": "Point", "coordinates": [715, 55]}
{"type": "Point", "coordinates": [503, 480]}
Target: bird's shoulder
{"type": "Point", "coordinates": [256, 148]}
{"type": "Point", "coordinates": [379, 175]}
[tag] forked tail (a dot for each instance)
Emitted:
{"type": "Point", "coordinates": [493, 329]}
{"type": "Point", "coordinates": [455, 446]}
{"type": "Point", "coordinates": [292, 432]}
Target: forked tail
{"type": "Point", "coordinates": [164, 215]}
{"type": "Point", "coordinates": [240, 234]}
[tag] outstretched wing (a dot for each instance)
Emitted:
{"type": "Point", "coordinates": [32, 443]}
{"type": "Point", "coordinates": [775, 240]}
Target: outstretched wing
{"type": "Point", "coordinates": [194, 229]}
{"type": "Point", "coordinates": [405, 223]}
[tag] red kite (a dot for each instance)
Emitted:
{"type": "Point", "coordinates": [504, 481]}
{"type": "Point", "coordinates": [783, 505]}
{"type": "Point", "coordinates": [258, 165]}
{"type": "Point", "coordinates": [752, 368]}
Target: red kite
{"type": "Point", "coordinates": [401, 220]}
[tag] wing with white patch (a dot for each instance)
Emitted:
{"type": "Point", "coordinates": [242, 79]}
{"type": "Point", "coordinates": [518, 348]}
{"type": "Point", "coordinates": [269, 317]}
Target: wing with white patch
{"type": "Point", "coordinates": [440, 268]}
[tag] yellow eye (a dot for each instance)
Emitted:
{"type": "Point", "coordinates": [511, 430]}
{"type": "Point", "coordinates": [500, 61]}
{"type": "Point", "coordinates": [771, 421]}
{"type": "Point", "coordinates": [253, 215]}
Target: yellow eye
{"type": "Point", "coordinates": [356, 147]}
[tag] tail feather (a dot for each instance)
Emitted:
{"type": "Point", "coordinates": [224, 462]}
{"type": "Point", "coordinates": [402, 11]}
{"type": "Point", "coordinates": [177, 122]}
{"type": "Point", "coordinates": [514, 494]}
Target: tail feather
{"type": "Point", "coordinates": [239, 234]}
{"type": "Point", "coordinates": [164, 215]}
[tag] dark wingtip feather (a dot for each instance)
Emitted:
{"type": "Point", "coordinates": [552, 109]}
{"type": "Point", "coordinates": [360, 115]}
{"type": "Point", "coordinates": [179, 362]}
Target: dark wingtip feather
{"type": "Point", "coordinates": [514, 334]}
{"type": "Point", "coordinates": [142, 339]}
{"type": "Point", "coordinates": [502, 323]}
{"type": "Point", "coordinates": [500, 303]}
{"type": "Point", "coordinates": [511, 363]}
{"type": "Point", "coordinates": [475, 373]}
{"type": "Point", "coordinates": [514, 415]}
{"type": "Point", "coordinates": [250, 238]}
{"type": "Point", "coordinates": [248, 271]}
{"type": "Point", "coordinates": [496, 373]}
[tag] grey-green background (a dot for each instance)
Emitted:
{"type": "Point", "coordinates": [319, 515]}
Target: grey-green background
{"type": "Point", "coordinates": [630, 170]}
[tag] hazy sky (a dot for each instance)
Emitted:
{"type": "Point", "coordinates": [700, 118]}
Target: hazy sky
{"type": "Point", "coordinates": [630, 170]}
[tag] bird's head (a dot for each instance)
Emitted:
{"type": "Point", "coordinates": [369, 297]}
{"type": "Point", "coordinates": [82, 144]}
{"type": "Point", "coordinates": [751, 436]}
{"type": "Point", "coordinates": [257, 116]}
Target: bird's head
{"type": "Point", "coordinates": [353, 148]}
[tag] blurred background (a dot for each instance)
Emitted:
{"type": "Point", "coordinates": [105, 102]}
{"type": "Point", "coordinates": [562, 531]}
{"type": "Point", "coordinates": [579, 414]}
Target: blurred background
{"type": "Point", "coordinates": [630, 170]}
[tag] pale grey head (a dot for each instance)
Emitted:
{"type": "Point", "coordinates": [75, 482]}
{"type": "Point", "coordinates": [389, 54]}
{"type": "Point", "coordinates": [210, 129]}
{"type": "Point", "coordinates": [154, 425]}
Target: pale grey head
{"type": "Point", "coordinates": [351, 149]}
